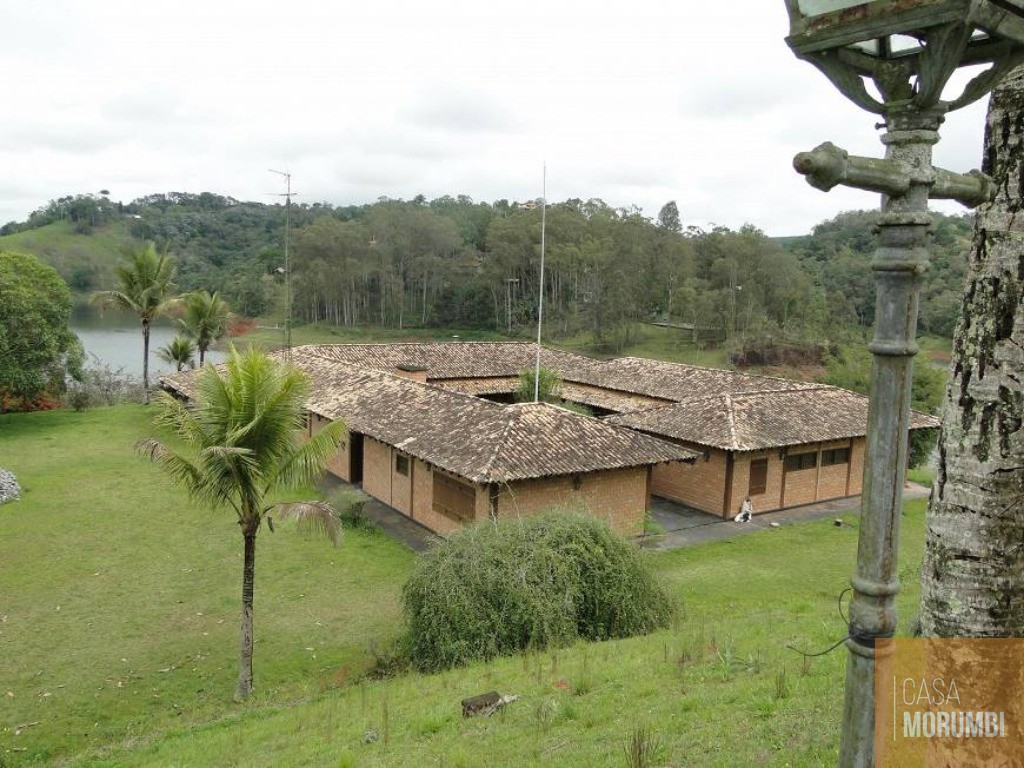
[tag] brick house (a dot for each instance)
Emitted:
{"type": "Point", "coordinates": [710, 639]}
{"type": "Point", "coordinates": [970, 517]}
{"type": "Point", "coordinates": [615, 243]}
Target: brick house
{"type": "Point", "coordinates": [780, 448]}
{"type": "Point", "coordinates": [446, 458]}
{"type": "Point", "coordinates": [433, 433]}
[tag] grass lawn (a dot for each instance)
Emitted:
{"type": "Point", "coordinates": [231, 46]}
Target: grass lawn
{"type": "Point", "coordinates": [119, 606]}
{"type": "Point", "coordinates": [318, 333]}
{"type": "Point", "coordinates": [119, 599]}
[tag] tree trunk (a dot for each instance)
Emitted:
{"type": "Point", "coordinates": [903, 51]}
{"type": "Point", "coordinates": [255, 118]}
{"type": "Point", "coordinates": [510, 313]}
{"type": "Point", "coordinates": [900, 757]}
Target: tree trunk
{"type": "Point", "coordinates": [973, 576]}
{"type": "Point", "coordinates": [245, 656]}
{"type": "Point", "coordinates": [145, 358]}
{"type": "Point", "coordinates": [202, 354]}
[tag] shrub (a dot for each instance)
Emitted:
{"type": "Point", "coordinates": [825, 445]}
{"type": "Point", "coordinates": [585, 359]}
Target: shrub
{"type": "Point", "coordinates": [103, 385]}
{"type": "Point", "coordinates": [497, 588]}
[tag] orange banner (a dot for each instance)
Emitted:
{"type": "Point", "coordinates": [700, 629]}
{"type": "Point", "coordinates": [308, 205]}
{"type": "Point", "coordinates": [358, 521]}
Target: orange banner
{"type": "Point", "coordinates": [945, 703]}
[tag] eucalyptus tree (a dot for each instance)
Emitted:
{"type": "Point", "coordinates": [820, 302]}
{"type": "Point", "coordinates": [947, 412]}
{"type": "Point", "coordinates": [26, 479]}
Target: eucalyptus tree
{"type": "Point", "coordinates": [973, 576]}
{"type": "Point", "coordinates": [245, 442]}
{"type": "Point", "coordinates": [144, 287]}
{"type": "Point", "coordinates": [179, 352]}
{"type": "Point", "coordinates": [205, 319]}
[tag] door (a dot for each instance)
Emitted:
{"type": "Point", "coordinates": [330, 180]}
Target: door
{"type": "Point", "coordinates": [355, 457]}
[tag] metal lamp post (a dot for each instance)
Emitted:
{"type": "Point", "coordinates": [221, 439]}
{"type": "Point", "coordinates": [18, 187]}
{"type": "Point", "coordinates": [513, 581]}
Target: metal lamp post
{"type": "Point", "coordinates": [908, 49]}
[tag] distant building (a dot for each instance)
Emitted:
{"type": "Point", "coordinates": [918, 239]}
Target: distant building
{"type": "Point", "coordinates": [433, 433]}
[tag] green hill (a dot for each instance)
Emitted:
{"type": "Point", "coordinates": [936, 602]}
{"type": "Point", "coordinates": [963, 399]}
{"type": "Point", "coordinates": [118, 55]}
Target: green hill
{"type": "Point", "coordinates": [86, 262]}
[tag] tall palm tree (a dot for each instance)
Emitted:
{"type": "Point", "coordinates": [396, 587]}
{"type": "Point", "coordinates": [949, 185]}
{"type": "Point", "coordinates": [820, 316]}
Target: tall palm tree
{"type": "Point", "coordinates": [179, 352]}
{"type": "Point", "coordinates": [205, 319]}
{"type": "Point", "coordinates": [145, 288]}
{"type": "Point", "coordinates": [244, 441]}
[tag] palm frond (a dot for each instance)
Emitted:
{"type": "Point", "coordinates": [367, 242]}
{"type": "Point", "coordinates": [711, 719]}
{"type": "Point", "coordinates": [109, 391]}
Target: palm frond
{"type": "Point", "coordinates": [314, 517]}
{"type": "Point", "coordinates": [244, 438]}
{"type": "Point", "coordinates": [305, 464]}
{"type": "Point", "coordinates": [152, 449]}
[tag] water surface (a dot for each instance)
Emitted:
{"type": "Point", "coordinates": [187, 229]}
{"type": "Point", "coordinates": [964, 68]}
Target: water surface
{"type": "Point", "coordinates": [115, 337]}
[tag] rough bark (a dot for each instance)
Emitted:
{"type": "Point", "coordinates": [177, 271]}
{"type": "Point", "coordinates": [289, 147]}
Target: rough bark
{"type": "Point", "coordinates": [145, 358]}
{"type": "Point", "coordinates": [973, 576]}
{"type": "Point", "coordinates": [245, 656]}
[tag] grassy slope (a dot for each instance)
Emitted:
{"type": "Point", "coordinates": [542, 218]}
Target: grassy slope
{"type": "Point", "coordinates": [120, 600]}
{"type": "Point", "coordinates": [61, 247]}
{"type": "Point", "coordinates": [139, 660]}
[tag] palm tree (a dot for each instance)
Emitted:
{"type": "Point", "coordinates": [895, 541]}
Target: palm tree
{"type": "Point", "coordinates": [145, 288]}
{"type": "Point", "coordinates": [180, 352]}
{"type": "Point", "coordinates": [205, 319]}
{"type": "Point", "coordinates": [245, 441]}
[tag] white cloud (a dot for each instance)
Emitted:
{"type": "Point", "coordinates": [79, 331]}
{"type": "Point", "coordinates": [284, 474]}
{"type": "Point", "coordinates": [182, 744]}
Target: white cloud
{"type": "Point", "coordinates": [635, 104]}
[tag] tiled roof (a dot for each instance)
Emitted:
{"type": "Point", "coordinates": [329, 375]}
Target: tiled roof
{"type": "Point", "coordinates": [706, 406]}
{"type": "Point", "coordinates": [470, 437]}
{"type": "Point", "coordinates": [481, 360]}
{"type": "Point", "coordinates": [577, 393]}
{"type": "Point", "coordinates": [677, 381]}
{"type": "Point", "coordinates": [750, 421]}
{"type": "Point", "coordinates": [450, 360]}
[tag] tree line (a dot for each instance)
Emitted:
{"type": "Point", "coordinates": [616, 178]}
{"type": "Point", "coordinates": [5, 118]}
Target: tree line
{"type": "Point", "coordinates": [453, 261]}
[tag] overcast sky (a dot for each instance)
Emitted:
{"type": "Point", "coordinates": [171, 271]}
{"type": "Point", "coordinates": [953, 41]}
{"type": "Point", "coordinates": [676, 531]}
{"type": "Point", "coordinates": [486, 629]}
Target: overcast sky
{"type": "Point", "coordinates": [635, 102]}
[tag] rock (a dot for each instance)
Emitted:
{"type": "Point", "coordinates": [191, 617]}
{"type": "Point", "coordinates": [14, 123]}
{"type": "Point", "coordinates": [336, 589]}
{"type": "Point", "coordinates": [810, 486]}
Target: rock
{"type": "Point", "coordinates": [9, 490]}
{"type": "Point", "coordinates": [485, 704]}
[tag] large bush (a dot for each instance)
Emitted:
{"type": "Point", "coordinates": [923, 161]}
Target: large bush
{"type": "Point", "coordinates": [497, 588]}
{"type": "Point", "coordinates": [37, 350]}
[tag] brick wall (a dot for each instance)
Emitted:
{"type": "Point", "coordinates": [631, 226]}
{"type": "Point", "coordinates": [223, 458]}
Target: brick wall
{"type": "Point", "coordinates": [700, 485]}
{"type": "Point", "coordinates": [377, 469]}
{"type": "Point", "coordinates": [339, 464]}
{"type": "Point", "coordinates": [832, 479]}
{"type": "Point", "coordinates": [423, 510]}
{"type": "Point", "coordinates": [627, 400]}
{"type": "Point", "coordinates": [417, 374]}
{"type": "Point", "coordinates": [422, 491]}
{"type": "Point", "coordinates": [857, 465]}
{"type": "Point", "coordinates": [618, 497]}
{"type": "Point", "coordinates": [802, 485]}
{"type": "Point", "coordinates": [772, 496]}
{"type": "Point", "coordinates": [401, 485]}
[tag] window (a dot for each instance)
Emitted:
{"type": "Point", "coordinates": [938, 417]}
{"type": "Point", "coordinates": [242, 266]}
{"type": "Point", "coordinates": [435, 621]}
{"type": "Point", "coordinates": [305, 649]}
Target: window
{"type": "Point", "coordinates": [401, 464]}
{"type": "Point", "coordinates": [758, 477]}
{"type": "Point", "coordinates": [453, 499]}
{"type": "Point", "coordinates": [797, 461]}
{"type": "Point", "coordinates": [835, 456]}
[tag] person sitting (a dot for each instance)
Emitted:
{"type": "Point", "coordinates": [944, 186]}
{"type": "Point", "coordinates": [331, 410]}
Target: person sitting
{"type": "Point", "coordinates": [746, 511]}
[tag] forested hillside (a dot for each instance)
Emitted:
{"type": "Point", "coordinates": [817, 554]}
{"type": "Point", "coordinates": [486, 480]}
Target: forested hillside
{"type": "Point", "coordinates": [457, 262]}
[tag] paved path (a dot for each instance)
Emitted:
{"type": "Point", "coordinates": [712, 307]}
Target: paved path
{"type": "Point", "coordinates": [686, 527]}
{"type": "Point", "coordinates": [399, 527]}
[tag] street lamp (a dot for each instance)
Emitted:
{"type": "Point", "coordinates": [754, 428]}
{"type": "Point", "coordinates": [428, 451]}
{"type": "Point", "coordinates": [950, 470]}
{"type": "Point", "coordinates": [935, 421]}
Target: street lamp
{"type": "Point", "coordinates": [908, 50]}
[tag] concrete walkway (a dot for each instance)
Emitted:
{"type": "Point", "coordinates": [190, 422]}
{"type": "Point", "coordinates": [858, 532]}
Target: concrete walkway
{"type": "Point", "coordinates": [686, 527]}
{"type": "Point", "coordinates": [399, 527]}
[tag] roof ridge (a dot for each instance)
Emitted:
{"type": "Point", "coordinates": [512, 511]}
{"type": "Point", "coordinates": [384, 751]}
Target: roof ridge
{"type": "Point", "coordinates": [809, 386]}
{"type": "Point", "coordinates": [700, 367]}
{"type": "Point", "coordinates": [731, 419]}
{"type": "Point", "coordinates": [489, 464]}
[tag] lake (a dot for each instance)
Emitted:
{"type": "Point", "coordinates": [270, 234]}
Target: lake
{"type": "Point", "coordinates": [115, 337]}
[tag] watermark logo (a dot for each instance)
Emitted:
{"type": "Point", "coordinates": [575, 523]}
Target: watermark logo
{"type": "Point", "coordinates": [949, 703]}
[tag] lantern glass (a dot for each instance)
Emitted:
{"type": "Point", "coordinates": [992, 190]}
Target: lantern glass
{"type": "Point", "coordinates": [818, 7]}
